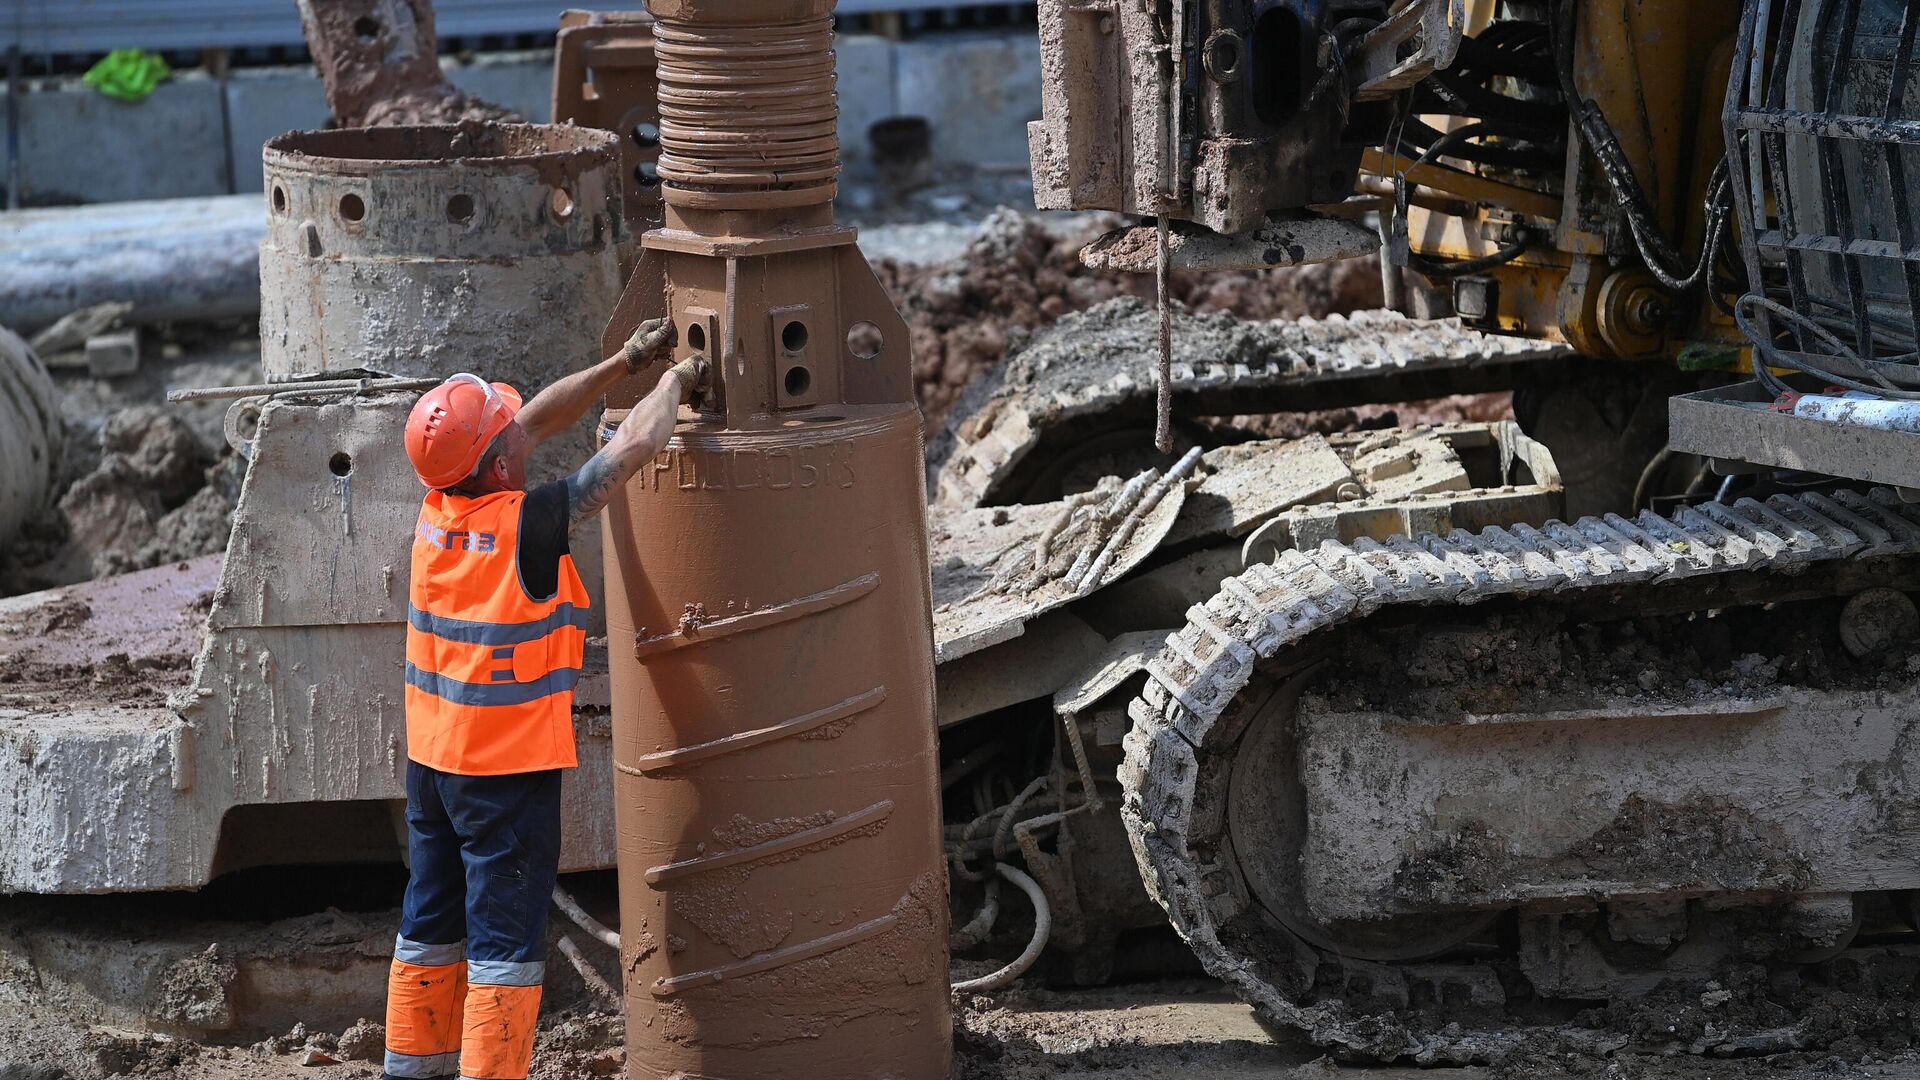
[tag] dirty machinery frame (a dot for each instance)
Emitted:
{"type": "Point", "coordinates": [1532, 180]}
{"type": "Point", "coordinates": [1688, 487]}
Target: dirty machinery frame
{"type": "Point", "coordinates": [1398, 794]}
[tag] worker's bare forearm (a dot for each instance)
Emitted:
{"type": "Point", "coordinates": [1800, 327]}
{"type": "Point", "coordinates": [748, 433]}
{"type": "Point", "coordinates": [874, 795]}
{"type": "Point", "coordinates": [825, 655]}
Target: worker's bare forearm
{"type": "Point", "coordinates": [638, 440]}
{"type": "Point", "coordinates": [561, 405]}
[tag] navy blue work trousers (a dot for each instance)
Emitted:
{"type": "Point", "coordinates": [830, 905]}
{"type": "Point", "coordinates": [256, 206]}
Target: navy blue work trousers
{"type": "Point", "coordinates": [485, 851]}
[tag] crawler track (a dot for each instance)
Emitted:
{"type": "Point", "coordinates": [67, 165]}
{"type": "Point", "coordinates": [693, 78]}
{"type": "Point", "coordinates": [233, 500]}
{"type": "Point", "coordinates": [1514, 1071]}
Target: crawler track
{"type": "Point", "coordinates": [1090, 374]}
{"type": "Point", "coordinates": [1266, 619]}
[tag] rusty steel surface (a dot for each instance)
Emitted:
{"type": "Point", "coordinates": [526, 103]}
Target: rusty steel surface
{"type": "Point", "coordinates": [604, 77]}
{"type": "Point", "coordinates": [1205, 110]}
{"type": "Point", "coordinates": [379, 60]}
{"type": "Point", "coordinates": [783, 893]}
{"type": "Point", "coordinates": [418, 252]}
{"type": "Point", "coordinates": [423, 251]}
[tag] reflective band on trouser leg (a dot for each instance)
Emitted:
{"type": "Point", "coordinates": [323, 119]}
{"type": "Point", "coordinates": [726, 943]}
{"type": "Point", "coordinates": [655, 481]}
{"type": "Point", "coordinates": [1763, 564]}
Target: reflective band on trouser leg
{"type": "Point", "coordinates": [424, 1001]}
{"type": "Point", "coordinates": [500, 1019]}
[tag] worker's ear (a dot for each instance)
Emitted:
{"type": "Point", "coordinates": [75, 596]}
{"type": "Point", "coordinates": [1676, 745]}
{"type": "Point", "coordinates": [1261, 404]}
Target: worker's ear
{"type": "Point", "coordinates": [502, 473]}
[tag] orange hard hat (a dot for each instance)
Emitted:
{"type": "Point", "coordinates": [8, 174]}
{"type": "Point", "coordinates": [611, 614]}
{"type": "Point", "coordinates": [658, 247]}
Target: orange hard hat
{"type": "Point", "coordinates": [453, 424]}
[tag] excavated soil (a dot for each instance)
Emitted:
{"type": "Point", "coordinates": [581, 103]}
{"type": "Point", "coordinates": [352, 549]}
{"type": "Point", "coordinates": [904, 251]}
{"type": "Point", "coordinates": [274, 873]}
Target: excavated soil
{"type": "Point", "coordinates": [376, 88]}
{"type": "Point", "coordinates": [1452, 409]}
{"type": "Point", "coordinates": [1018, 276]}
{"type": "Point", "coordinates": [157, 495]}
{"type": "Point", "coordinates": [144, 483]}
{"type": "Point", "coordinates": [1862, 1017]}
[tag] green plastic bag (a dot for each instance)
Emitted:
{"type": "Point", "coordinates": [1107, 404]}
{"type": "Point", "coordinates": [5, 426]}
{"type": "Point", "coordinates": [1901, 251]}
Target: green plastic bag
{"type": "Point", "coordinates": [128, 74]}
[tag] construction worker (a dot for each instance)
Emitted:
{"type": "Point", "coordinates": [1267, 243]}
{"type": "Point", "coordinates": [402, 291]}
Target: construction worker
{"type": "Point", "coordinates": [496, 635]}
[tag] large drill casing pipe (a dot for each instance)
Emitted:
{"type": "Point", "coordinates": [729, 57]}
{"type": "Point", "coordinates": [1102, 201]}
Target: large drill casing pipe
{"type": "Point", "coordinates": [783, 893]}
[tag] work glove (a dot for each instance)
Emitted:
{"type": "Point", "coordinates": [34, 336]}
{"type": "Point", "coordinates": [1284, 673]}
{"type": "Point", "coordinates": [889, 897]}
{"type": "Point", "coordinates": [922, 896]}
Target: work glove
{"type": "Point", "coordinates": [651, 341]}
{"type": "Point", "coordinates": [696, 378]}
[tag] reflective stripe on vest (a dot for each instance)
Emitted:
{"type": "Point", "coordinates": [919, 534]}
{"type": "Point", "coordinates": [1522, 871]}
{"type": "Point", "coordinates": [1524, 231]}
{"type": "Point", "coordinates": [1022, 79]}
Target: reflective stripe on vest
{"type": "Point", "coordinates": [500, 692]}
{"type": "Point", "coordinates": [490, 671]}
{"type": "Point", "coordinates": [482, 633]}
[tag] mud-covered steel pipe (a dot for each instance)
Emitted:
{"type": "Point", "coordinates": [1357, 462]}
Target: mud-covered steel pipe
{"type": "Point", "coordinates": [595, 982]}
{"type": "Point", "coordinates": [1854, 409]}
{"type": "Point", "coordinates": [310, 386]}
{"type": "Point", "coordinates": [189, 259]}
{"type": "Point", "coordinates": [981, 927]}
{"type": "Point", "coordinates": [783, 897]}
{"type": "Point", "coordinates": [421, 251]}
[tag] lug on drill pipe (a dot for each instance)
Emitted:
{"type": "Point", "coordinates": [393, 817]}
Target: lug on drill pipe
{"type": "Point", "coordinates": [783, 895]}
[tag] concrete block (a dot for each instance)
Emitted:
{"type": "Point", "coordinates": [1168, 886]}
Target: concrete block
{"type": "Point", "coordinates": [113, 354]}
{"type": "Point", "coordinates": [979, 90]}
{"type": "Point", "coordinates": [867, 91]}
{"type": "Point", "coordinates": [263, 103]}
{"type": "Point", "coordinates": [521, 81]}
{"type": "Point", "coordinates": [77, 144]}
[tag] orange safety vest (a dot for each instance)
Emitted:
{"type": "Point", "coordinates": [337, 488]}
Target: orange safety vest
{"type": "Point", "coordinates": [490, 670]}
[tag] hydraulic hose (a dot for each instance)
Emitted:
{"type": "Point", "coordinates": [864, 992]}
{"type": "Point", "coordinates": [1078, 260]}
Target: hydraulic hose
{"type": "Point", "coordinates": [1042, 929]}
{"type": "Point", "coordinates": [571, 909]}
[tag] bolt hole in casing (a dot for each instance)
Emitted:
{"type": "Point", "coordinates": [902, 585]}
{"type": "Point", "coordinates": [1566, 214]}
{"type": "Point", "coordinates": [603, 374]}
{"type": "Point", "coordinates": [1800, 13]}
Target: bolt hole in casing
{"type": "Point", "coordinates": [865, 341]}
{"type": "Point", "coordinates": [783, 896]}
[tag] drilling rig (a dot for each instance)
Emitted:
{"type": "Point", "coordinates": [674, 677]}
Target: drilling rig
{"type": "Point", "coordinates": [1547, 765]}
{"type": "Point", "coordinates": [1434, 754]}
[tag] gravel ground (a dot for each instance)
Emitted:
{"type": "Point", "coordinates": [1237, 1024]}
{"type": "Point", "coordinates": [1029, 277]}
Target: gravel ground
{"type": "Point", "coordinates": [1149, 1031]}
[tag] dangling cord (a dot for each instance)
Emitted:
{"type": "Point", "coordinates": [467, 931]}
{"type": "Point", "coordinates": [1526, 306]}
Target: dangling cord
{"type": "Point", "coordinates": [1163, 425]}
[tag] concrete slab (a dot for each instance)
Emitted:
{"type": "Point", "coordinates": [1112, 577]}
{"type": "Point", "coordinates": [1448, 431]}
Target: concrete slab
{"type": "Point", "coordinates": [79, 144]}
{"type": "Point", "coordinates": [521, 81]}
{"type": "Point", "coordinates": [867, 90]}
{"type": "Point", "coordinates": [194, 258]}
{"type": "Point", "coordinates": [113, 354]}
{"type": "Point", "coordinates": [978, 90]}
{"type": "Point", "coordinates": [263, 103]}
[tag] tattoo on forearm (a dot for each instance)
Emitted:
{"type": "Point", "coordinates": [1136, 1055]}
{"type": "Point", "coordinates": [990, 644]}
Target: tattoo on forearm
{"type": "Point", "coordinates": [646, 428]}
{"type": "Point", "coordinates": [592, 487]}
